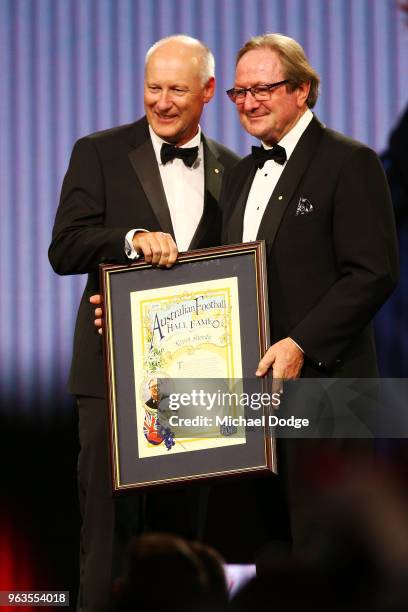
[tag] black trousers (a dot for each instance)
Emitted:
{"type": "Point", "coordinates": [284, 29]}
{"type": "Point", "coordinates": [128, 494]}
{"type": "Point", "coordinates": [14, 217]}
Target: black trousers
{"type": "Point", "coordinates": [109, 523]}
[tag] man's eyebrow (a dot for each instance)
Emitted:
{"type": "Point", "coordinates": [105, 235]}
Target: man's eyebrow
{"type": "Point", "coordinates": [253, 85]}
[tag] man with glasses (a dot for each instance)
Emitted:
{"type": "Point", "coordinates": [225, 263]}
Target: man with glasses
{"type": "Point", "coordinates": [150, 188]}
{"type": "Point", "coordinates": [321, 203]}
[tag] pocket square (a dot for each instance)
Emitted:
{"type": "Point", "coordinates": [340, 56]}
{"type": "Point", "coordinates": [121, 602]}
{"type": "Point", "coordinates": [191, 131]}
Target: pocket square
{"type": "Point", "coordinates": [304, 207]}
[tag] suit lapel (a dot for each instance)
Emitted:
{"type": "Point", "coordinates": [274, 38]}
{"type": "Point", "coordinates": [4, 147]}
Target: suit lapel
{"type": "Point", "coordinates": [235, 223]}
{"type": "Point", "coordinates": [289, 181]}
{"type": "Point", "coordinates": [144, 163]}
{"type": "Point", "coordinates": [213, 173]}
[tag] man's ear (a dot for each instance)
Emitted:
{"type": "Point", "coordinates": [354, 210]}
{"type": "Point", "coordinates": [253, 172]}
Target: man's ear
{"type": "Point", "coordinates": [209, 90]}
{"type": "Point", "coordinates": [302, 93]}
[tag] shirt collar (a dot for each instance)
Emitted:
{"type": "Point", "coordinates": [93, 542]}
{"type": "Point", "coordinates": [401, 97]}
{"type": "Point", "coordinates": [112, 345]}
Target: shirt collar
{"type": "Point", "coordinates": [157, 143]}
{"type": "Point", "coordinates": [290, 140]}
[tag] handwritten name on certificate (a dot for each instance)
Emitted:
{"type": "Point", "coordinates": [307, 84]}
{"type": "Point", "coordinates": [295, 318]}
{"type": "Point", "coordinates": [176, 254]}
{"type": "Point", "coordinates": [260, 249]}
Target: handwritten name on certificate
{"type": "Point", "coordinates": [184, 331]}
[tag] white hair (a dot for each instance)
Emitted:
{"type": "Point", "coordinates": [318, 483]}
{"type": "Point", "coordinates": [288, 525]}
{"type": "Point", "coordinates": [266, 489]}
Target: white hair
{"type": "Point", "coordinates": [152, 380]}
{"type": "Point", "coordinates": [207, 68]}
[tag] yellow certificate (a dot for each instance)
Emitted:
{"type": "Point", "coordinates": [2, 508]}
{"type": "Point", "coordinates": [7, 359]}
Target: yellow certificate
{"type": "Point", "coordinates": [184, 331]}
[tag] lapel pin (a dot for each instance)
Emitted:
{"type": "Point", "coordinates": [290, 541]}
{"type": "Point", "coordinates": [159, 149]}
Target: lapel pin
{"type": "Point", "coordinates": [216, 171]}
{"type": "Point", "coordinates": [280, 197]}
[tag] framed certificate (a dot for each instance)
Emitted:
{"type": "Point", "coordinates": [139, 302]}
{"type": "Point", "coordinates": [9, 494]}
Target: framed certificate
{"type": "Point", "coordinates": [181, 349]}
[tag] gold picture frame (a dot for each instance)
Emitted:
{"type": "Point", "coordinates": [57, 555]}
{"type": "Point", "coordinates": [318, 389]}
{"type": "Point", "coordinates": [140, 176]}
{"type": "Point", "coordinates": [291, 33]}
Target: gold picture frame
{"type": "Point", "coordinates": [207, 316]}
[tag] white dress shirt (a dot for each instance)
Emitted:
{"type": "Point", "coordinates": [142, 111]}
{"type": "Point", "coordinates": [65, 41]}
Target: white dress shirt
{"type": "Point", "coordinates": [266, 178]}
{"type": "Point", "coordinates": [184, 189]}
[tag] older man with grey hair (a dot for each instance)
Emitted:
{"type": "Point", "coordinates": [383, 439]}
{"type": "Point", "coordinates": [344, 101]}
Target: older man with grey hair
{"type": "Point", "coordinates": [150, 189]}
{"type": "Point", "coordinates": [321, 203]}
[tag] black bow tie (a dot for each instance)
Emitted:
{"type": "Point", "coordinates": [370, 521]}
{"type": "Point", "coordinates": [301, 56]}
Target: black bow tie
{"type": "Point", "coordinates": [262, 155]}
{"type": "Point", "coordinates": [168, 152]}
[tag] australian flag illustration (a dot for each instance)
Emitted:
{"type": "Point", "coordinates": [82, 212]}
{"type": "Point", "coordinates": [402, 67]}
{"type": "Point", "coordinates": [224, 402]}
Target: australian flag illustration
{"type": "Point", "coordinates": [150, 430]}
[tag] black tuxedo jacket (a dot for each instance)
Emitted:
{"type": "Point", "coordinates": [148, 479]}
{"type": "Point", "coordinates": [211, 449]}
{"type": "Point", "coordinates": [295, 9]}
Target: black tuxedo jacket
{"type": "Point", "coordinates": [331, 269]}
{"type": "Point", "coordinates": [112, 185]}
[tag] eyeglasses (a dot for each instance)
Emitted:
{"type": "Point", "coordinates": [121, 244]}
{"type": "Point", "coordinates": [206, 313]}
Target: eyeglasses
{"type": "Point", "coordinates": [259, 92]}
